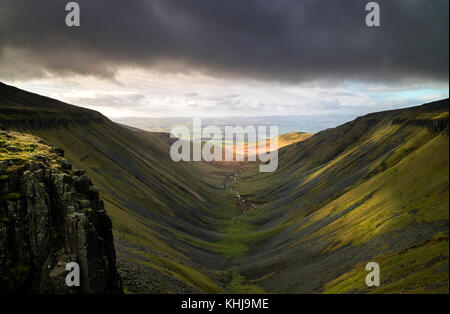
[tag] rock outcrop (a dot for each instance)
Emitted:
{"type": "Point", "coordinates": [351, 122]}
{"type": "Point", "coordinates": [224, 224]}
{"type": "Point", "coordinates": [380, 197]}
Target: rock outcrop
{"type": "Point", "coordinates": [434, 125]}
{"type": "Point", "coordinates": [51, 216]}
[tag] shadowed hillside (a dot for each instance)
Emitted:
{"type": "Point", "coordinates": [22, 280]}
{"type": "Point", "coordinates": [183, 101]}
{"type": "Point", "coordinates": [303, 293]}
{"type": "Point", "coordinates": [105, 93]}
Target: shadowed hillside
{"type": "Point", "coordinates": [164, 214]}
{"type": "Point", "coordinates": [374, 189]}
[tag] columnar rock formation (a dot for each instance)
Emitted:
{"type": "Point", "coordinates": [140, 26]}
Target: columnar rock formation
{"type": "Point", "coordinates": [51, 216]}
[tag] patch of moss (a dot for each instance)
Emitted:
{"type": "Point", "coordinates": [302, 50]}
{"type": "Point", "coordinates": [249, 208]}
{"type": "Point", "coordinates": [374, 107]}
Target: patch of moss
{"type": "Point", "coordinates": [237, 284]}
{"type": "Point", "coordinates": [10, 197]}
{"type": "Point", "coordinates": [233, 241]}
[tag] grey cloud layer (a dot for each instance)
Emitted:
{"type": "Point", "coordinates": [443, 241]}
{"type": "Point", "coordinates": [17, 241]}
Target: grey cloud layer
{"type": "Point", "coordinates": [136, 101]}
{"type": "Point", "coordinates": [282, 40]}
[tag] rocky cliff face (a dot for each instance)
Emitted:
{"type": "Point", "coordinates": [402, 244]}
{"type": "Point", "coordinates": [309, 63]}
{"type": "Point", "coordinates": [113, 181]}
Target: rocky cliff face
{"type": "Point", "coordinates": [50, 216]}
{"type": "Point", "coordinates": [434, 125]}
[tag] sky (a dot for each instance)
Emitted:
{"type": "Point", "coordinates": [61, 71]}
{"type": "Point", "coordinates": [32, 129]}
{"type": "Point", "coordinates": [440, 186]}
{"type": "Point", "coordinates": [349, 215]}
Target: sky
{"type": "Point", "coordinates": [167, 58]}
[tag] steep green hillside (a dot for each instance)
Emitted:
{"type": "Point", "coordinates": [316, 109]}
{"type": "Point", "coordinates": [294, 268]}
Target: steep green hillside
{"type": "Point", "coordinates": [164, 214]}
{"type": "Point", "coordinates": [374, 189]}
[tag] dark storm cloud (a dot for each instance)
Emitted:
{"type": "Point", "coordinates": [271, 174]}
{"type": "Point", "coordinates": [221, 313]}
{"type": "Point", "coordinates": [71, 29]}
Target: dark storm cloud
{"type": "Point", "coordinates": [278, 40]}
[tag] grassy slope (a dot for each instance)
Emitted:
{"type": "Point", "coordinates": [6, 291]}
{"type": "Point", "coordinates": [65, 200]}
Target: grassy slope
{"type": "Point", "coordinates": [375, 189]}
{"type": "Point", "coordinates": [157, 206]}
{"type": "Point", "coordinates": [292, 138]}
